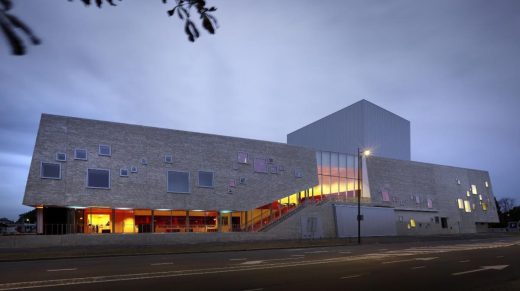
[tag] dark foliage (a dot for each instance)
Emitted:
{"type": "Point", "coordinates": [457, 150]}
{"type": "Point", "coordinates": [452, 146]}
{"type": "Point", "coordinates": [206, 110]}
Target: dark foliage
{"type": "Point", "coordinates": [27, 217]}
{"type": "Point", "coordinates": [15, 30]}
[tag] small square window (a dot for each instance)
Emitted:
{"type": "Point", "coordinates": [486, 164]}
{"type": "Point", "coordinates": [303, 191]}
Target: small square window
{"type": "Point", "coordinates": [486, 184]}
{"type": "Point", "coordinates": [232, 183]}
{"type": "Point", "coordinates": [298, 173]}
{"type": "Point", "coordinates": [123, 172]}
{"type": "Point", "coordinates": [104, 150]}
{"type": "Point", "coordinates": [260, 165]}
{"type": "Point", "coordinates": [242, 158]}
{"type": "Point", "coordinates": [242, 180]}
{"type": "Point", "coordinates": [270, 160]}
{"type": "Point", "coordinates": [168, 159]}
{"type": "Point", "coordinates": [61, 157]}
{"type": "Point", "coordinates": [474, 189]}
{"type": "Point", "coordinates": [205, 179]}
{"type": "Point", "coordinates": [460, 203]}
{"type": "Point", "coordinates": [230, 191]}
{"type": "Point", "coordinates": [458, 181]}
{"type": "Point", "coordinates": [80, 154]}
{"type": "Point", "coordinates": [178, 182]}
{"type": "Point", "coordinates": [385, 196]}
{"type": "Point", "coordinates": [430, 203]}
{"type": "Point", "coordinates": [281, 168]}
{"type": "Point", "coordinates": [273, 169]}
{"type": "Point", "coordinates": [144, 162]}
{"type": "Point", "coordinates": [50, 171]}
{"type": "Point", "coordinates": [98, 178]}
{"type": "Point", "coordinates": [133, 169]}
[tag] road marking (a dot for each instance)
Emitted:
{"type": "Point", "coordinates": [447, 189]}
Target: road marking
{"type": "Point", "coordinates": [482, 268]}
{"type": "Point", "coordinates": [351, 276]}
{"type": "Point", "coordinates": [410, 260]}
{"type": "Point", "coordinates": [418, 267]}
{"type": "Point", "coordinates": [345, 252]}
{"type": "Point", "coordinates": [252, 262]}
{"type": "Point", "coordinates": [464, 261]}
{"type": "Point", "coordinates": [316, 252]}
{"type": "Point", "coordinates": [297, 255]}
{"type": "Point", "coordinates": [60, 270]}
{"type": "Point", "coordinates": [161, 264]}
{"type": "Point", "coordinates": [238, 259]}
{"type": "Point", "coordinates": [382, 250]}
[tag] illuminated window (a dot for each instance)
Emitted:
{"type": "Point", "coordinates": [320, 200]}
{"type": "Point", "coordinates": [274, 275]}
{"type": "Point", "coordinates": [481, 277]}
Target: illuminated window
{"type": "Point", "coordinates": [61, 157]}
{"type": "Point", "coordinates": [467, 206]}
{"type": "Point", "coordinates": [260, 165]}
{"type": "Point", "coordinates": [50, 171]}
{"type": "Point", "coordinates": [318, 161]}
{"type": "Point", "coordinates": [98, 178]}
{"type": "Point", "coordinates": [342, 165]}
{"type": "Point", "coordinates": [385, 196]}
{"type": "Point", "coordinates": [205, 179]}
{"type": "Point", "coordinates": [80, 154]}
{"type": "Point", "coordinates": [467, 193]}
{"type": "Point", "coordinates": [325, 163]}
{"type": "Point", "coordinates": [480, 197]}
{"type": "Point", "coordinates": [487, 184]}
{"type": "Point", "coordinates": [484, 206]}
{"type": "Point", "coordinates": [326, 185]}
{"type": "Point", "coordinates": [458, 181]}
{"type": "Point", "coordinates": [104, 150]}
{"type": "Point", "coordinates": [334, 164]}
{"type": "Point", "coordinates": [412, 222]}
{"type": "Point", "coordinates": [178, 182]}
{"type": "Point", "coordinates": [242, 158]}
{"type": "Point", "coordinates": [460, 203]}
{"type": "Point", "coordinates": [430, 203]}
{"type": "Point", "coordinates": [474, 189]}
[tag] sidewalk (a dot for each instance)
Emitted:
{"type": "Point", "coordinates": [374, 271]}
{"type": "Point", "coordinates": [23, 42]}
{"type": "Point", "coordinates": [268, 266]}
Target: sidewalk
{"type": "Point", "coordinates": [9, 255]}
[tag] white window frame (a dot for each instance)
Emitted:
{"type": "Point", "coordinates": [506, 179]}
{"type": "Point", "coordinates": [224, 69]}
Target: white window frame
{"type": "Point", "coordinates": [80, 159]}
{"type": "Point", "coordinates": [178, 171]}
{"type": "Point", "coordinates": [41, 171]}
{"type": "Point", "coordinates": [109, 150]}
{"type": "Point", "coordinates": [132, 169]}
{"type": "Point", "coordinates": [109, 179]}
{"type": "Point", "coordinates": [61, 153]}
{"type": "Point", "coordinates": [121, 172]}
{"type": "Point", "coordinates": [212, 179]}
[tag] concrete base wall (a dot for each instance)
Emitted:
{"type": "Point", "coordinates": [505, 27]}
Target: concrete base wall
{"type": "Point", "coordinates": [142, 239]}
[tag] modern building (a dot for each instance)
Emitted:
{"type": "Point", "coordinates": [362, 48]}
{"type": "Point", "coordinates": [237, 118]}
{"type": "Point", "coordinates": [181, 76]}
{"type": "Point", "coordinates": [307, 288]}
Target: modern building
{"type": "Point", "coordinates": [89, 176]}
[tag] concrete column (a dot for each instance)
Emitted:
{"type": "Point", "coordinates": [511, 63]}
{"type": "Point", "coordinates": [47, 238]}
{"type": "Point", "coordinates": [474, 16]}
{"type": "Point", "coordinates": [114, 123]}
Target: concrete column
{"type": "Point", "coordinates": [39, 220]}
{"type": "Point", "coordinates": [114, 221]}
{"type": "Point", "coordinates": [187, 220]}
{"type": "Point", "coordinates": [219, 221]}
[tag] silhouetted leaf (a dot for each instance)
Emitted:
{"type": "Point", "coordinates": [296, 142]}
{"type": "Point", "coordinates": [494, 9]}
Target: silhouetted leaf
{"type": "Point", "coordinates": [7, 4]}
{"type": "Point", "coordinates": [206, 23]}
{"type": "Point", "coordinates": [188, 32]}
{"type": "Point", "coordinates": [17, 47]}
{"type": "Point", "coordinates": [19, 24]}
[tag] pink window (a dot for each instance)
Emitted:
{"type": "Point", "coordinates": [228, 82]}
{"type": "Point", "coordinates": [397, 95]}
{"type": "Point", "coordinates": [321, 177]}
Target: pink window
{"type": "Point", "coordinates": [385, 195]}
{"type": "Point", "coordinates": [430, 203]}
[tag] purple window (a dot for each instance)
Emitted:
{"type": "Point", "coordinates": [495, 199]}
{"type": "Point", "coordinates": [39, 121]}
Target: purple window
{"type": "Point", "coordinates": [232, 183]}
{"type": "Point", "coordinates": [430, 204]}
{"type": "Point", "coordinates": [260, 165]}
{"type": "Point", "coordinates": [385, 195]}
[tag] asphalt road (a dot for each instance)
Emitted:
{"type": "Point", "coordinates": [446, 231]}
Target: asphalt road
{"type": "Point", "coordinates": [479, 264]}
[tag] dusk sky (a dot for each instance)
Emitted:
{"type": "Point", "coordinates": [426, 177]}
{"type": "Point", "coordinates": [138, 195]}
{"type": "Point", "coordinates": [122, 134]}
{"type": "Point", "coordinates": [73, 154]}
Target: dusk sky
{"type": "Point", "coordinates": [450, 67]}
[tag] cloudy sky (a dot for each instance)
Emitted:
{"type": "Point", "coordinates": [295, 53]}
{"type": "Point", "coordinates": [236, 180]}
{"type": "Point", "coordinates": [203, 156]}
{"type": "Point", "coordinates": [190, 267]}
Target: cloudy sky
{"type": "Point", "coordinates": [450, 67]}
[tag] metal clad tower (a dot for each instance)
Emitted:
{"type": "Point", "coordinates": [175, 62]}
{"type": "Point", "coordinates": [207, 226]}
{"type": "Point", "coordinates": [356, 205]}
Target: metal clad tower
{"type": "Point", "coordinates": [362, 124]}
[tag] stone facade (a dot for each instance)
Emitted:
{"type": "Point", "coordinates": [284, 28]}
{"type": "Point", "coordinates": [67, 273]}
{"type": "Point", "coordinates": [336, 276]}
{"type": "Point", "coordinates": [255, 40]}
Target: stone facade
{"type": "Point", "coordinates": [427, 193]}
{"type": "Point", "coordinates": [147, 189]}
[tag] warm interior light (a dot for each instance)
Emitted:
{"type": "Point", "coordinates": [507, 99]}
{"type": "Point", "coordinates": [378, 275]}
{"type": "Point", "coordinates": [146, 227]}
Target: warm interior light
{"type": "Point", "coordinates": [366, 153]}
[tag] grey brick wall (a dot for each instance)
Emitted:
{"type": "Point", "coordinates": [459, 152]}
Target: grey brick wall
{"type": "Point", "coordinates": [147, 188]}
{"type": "Point", "coordinates": [404, 180]}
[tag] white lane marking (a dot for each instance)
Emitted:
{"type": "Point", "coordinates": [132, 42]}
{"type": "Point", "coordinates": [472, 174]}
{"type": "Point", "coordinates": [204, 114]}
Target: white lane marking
{"type": "Point", "coordinates": [464, 261]}
{"type": "Point", "coordinates": [252, 263]}
{"type": "Point", "coordinates": [161, 264]}
{"type": "Point", "coordinates": [410, 260]}
{"type": "Point", "coordinates": [238, 259]}
{"type": "Point", "coordinates": [418, 267]}
{"type": "Point", "coordinates": [482, 268]}
{"type": "Point", "coordinates": [60, 270]}
{"type": "Point", "coordinates": [351, 276]}
{"type": "Point", "coordinates": [316, 252]}
{"type": "Point", "coordinates": [345, 252]}
{"type": "Point", "coordinates": [297, 255]}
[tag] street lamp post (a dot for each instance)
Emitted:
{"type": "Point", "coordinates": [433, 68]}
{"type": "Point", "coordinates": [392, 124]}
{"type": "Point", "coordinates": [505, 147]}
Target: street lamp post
{"type": "Point", "coordinates": [360, 174]}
